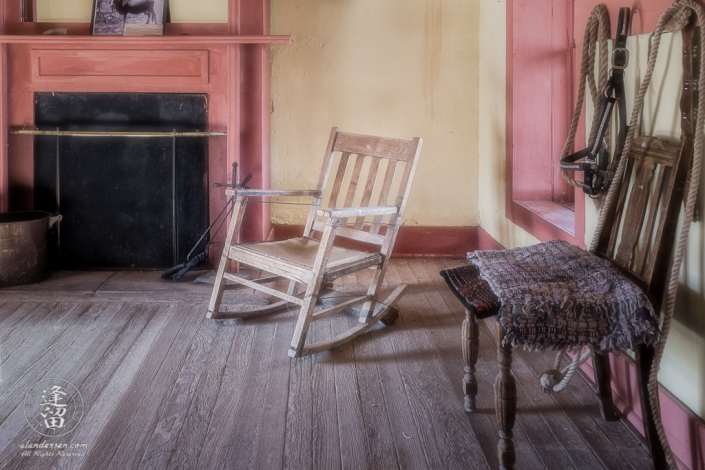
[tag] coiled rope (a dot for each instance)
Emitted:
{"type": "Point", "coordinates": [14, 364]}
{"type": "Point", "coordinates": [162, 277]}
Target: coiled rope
{"type": "Point", "coordinates": [548, 379]}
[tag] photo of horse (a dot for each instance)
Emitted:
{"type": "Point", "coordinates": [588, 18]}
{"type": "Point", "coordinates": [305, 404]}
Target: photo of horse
{"type": "Point", "coordinates": [111, 16]}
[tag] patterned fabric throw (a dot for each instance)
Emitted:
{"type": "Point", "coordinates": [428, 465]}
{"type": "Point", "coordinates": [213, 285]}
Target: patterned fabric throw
{"type": "Point", "coordinates": [556, 295]}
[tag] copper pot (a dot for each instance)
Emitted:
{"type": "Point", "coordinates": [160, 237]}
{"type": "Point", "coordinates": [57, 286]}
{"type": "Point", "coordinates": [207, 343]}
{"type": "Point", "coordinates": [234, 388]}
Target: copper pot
{"type": "Point", "coordinates": [24, 240]}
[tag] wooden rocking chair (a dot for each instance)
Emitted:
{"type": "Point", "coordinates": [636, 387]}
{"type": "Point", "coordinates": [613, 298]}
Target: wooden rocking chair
{"type": "Point", "coordinates": [636, 235]}
{"type": "Point", "coordinates": [305, 260]}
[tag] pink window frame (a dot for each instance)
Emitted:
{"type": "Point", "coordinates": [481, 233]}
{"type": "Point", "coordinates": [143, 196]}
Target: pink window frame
{"type": "Point", "coordinates": [557, 114]}
{"type": "Point", "coordinates": [645, 15]}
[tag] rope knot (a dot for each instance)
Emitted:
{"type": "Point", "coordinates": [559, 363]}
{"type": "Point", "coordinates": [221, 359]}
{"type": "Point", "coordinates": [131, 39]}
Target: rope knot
{"type": "Point", "coordinates": [550, 379]}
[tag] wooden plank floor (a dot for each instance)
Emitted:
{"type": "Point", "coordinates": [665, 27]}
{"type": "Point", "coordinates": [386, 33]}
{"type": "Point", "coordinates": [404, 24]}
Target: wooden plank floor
{"type": "Point", "coordinates": [163, 387]}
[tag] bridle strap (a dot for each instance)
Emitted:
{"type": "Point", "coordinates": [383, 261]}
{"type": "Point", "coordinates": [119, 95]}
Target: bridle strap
{"type": "Point", "coordinates": [595, 157]}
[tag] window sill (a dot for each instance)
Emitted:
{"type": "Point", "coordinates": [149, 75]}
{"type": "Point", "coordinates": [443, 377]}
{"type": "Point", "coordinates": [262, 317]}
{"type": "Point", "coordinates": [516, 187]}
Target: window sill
{"type": "Point", "coordinates": [556, 214]}
{"type": "Point", "coordinates": [547, 220]}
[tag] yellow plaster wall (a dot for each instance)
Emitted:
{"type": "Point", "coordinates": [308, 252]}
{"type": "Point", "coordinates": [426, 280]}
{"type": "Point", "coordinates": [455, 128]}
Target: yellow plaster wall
{"type": "Point", "coordinates": [396, 69]}
{"type": "Point", "coordinates": [492, 128]}
{"type": "Point", "coordinates": [370, 67]}
{"type": "Point", "coordinates": [182, 11]}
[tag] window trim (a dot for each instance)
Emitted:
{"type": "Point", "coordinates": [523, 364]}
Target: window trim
{"type": "Point", "coordinates": [544, 223]}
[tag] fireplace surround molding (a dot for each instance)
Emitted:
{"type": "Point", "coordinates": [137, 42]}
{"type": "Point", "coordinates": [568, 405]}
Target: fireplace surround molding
{"type": "Point", "coordinates": [228, 62]}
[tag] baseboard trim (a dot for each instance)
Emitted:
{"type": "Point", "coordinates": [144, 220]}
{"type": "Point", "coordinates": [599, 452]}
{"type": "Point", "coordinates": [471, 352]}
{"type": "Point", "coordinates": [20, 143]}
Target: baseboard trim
{"type": "Point", "coordinates": [415, 241]}
{"type": "Point", "coordinates": [685, 430]}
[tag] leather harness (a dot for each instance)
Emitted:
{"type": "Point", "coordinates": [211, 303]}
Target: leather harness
{"type": "Point", "coordinates": [597, 177]}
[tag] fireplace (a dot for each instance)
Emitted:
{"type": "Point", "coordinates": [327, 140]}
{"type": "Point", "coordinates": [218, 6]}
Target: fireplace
{"type": "Point", "coordinates": [226, 64]}
{"type": "Point", "coordinates": [127, 201]}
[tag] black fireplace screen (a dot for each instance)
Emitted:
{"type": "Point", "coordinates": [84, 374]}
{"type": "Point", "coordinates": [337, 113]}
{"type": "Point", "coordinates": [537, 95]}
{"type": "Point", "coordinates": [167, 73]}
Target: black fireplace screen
{"type": "Point", "coordinates": [127, 202]}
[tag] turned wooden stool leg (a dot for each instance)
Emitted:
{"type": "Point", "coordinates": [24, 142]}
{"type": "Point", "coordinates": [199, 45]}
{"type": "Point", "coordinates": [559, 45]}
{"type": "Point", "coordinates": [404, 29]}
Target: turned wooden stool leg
{"type": "Point", "coordinates": [471, 344]}
{"type": "Point", "coordinates": [505, 402]}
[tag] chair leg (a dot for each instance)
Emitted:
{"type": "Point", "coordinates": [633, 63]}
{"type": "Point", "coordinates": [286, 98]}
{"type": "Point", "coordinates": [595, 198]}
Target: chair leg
{"type": "Point", "coordinates": [218, 288]}
{"type": "Point", "coordinates": [302, 323]}
{"type": "Point", "coordinates": [378, 275]}
{"type": "Point", "coordinates": [601, 368]}
{"type": "Point", "coordinates": [505, 402]}
{"type": "Point", "coordinates": [313, 288]}
{"type": "Point", "coordinates": [233, 230]}
{"type": "Point", "coordinates": [373, 291]}
{"type": "Point", "coordinates": [644, 360]}
{"type": "Point", "coordinates": [471, 345]}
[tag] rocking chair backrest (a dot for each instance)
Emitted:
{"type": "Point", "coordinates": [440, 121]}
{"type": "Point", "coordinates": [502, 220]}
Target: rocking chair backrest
{"type": "Point", "coordinates": [641, 227]}
{"type": "Point", "coordinates": [371, 171]}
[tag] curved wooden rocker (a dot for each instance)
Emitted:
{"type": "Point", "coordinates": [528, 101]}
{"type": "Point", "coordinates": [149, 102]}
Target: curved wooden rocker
{"type": "Point", "coordinates": [313, 263]}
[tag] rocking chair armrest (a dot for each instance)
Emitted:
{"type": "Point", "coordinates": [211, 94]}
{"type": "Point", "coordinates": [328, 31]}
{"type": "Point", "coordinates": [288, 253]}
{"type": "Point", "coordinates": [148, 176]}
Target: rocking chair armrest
{"type": "Point", "coordinates": [273, 192]}
{"type": "Point", "coordinates": [341, 212]}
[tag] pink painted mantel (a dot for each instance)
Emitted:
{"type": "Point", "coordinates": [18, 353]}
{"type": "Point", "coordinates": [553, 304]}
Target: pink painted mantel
{"type": "Point", "coordinates": [228, 62]}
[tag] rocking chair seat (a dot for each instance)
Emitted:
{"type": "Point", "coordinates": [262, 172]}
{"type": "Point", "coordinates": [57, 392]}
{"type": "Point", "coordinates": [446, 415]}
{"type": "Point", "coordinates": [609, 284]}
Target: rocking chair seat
{"type": "Point", "coordinates": [556, 295]}
{"type": "Point", "coordinates": [300, 253]}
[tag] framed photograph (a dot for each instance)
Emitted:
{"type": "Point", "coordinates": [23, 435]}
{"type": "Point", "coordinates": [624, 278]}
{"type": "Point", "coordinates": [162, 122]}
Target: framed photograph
{"type": "Point", "coordinates": [129, 17]}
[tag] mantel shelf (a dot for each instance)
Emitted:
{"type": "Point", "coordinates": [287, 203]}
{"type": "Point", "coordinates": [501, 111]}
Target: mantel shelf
{"type": "Point", "coordinates": [142, 40]}
{"type": "Point", "coordinates": [59, 133]}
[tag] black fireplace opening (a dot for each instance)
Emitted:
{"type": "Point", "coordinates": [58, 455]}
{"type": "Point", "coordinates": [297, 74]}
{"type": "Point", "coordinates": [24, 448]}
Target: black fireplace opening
{"type": "Point", "coordinates": [128, 202]}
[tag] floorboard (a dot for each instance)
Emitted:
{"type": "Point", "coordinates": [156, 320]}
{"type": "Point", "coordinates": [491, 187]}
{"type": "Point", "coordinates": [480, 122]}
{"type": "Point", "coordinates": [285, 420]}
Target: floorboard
{"type": "Point", "coordinates": [407, 442]}
{"type": "Point", "coordinates": [242, 438]}
{"type": "Point", "coordinates": [482, 421]}
{"type": "Point", "coordinates": [28, 363]}
{"type": "Point", "coordinates": [163, 387]}
{"type": "Point", "coordinates": [380, 444]}
{"type": "Point", "coordinates": [98, 363]}
{"type": "Point", "coordinates": [222, 417]}
{"type": "Point", "coordinates": [93, 423]}
{"type": "Point", "coordinates": [156, 394]}
{"type": "Point", "coordinates": [7, 312]}
{"type": "Point", "coordinates": [65, 364]}
{"type": "Point", "coordinates": [329, 443]}
{"type": "Point", "coordinates": [123, 427]}
{"type": "Point", "coordinates": [271, 433]}
{"type": "Point", "coordinates": [161, 444]}
{"type": "Point", "coordinates": [298, 448]}
{"type": "Point", "coordinates": [435, 405]}
{"type": "Point", "coordinates": [442, 328]}
{"type": "Point", "coordinates": [30, 322]}
{"type": "Point", "coordinates": [353, 443]}
{"type": "Point", "coordinates": [192, 432]}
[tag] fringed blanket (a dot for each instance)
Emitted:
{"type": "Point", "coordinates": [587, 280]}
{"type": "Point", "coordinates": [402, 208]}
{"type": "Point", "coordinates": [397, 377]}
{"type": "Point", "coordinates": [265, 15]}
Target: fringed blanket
{"type": "Point", "coordinates": [556, 295]}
